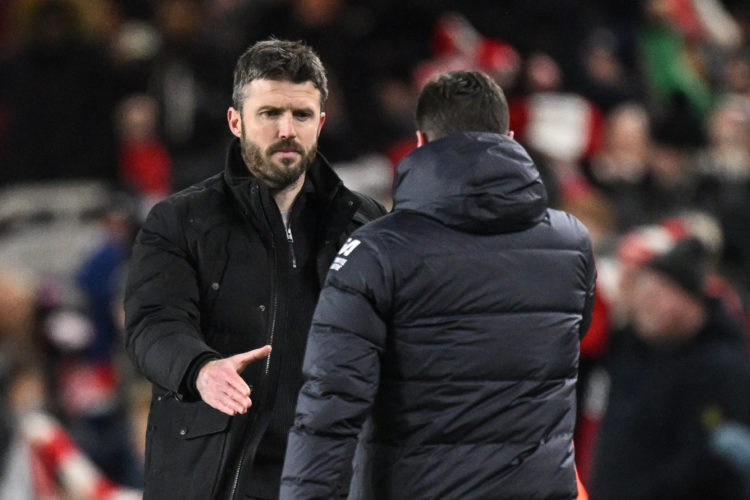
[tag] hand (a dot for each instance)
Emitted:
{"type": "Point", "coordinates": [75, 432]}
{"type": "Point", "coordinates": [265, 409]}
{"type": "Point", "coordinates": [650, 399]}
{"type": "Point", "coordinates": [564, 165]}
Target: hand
{"type": "Point", "coordinates": [221, 386]}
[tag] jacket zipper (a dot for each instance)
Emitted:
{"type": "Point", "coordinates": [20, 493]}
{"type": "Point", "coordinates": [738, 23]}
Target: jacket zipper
{"type": "Point", "coordinates": [273, 330]}
{"type": "Point", "coordinates": [248, 438]}
{"type": "Point", "coordinates": [290, 240]}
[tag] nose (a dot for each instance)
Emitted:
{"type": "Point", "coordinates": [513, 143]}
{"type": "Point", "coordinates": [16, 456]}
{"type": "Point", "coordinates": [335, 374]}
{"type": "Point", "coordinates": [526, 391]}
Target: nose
{"type": "Point", "coordinates": [286, 127]}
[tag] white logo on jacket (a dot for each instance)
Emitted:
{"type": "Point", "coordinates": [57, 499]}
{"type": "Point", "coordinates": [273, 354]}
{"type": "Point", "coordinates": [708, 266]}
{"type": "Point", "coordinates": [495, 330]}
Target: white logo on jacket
{"type": "Point", "coordinates": [345, 251]}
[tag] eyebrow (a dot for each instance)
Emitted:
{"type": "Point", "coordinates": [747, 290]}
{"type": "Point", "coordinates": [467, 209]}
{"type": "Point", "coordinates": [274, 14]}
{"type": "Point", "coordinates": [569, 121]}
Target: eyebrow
{"type": "Point", "coordinates": [279, 108]}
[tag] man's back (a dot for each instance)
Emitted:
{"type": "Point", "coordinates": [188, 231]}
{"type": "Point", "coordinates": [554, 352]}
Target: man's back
{"type": "Point", "coordinates": [479, 295]}
{"type": "Point", "coordinates": [478, 379]}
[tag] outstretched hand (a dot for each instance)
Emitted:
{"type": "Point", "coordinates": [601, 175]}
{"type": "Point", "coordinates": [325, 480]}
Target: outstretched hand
{"type": "Point", "coordinates": [221, 386]}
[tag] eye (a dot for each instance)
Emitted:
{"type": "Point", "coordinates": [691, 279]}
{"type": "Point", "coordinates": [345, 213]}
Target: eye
{"type": "Point", "coordinates": [270, 113]}
{"type": "Point", "coordinates": [303, 115]}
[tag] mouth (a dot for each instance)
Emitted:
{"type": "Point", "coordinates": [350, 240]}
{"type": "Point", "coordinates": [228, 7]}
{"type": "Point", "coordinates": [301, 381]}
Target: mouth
{"type": "Point", "coordinates": [286, 153]}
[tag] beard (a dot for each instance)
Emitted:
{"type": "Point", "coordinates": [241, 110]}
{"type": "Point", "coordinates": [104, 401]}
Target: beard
{"type": "Point", "coordinates": [280, 174]}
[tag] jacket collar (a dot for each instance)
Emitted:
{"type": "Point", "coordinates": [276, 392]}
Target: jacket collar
{"type": "Point", "coordinates": [336, 203]}
{"type": "Point", "coordinates": [476, 182]}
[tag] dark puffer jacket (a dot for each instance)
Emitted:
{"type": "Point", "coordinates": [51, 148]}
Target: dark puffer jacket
{"type": "Point", "coordinates": [455, 323]}
{"type": "Point", "coordinates": [213, 274]}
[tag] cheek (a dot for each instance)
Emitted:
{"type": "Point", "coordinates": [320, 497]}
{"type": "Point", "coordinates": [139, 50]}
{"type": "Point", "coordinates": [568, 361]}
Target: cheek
{"type": "Point", "coordinates": [658, 315]}
{"type": "Point", "coordinates": [648, 312]}
{"type": "Point", "coordinates": [307, 135]}
{"type": "Point", "coordinates": [672, 307]}
{"type": "Point", "coordinates": [259, 133]}
{"type": "Point", "coordinates": [647, 319]}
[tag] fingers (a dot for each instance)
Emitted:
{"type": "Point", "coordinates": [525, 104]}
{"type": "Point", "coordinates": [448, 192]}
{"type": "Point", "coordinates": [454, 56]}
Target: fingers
{"type": "Point", "coordinates": [230, 408]}
{"type": "Point", "coordinates": [221, 386]}
{"type": "Point", "coordinates": [231, 404]}
{"type": "Point", "coordinates": [243, 359]}
{"type": "Point", "coordinates": [237, 385]}
{"type": "Point", "coordinates": [228, 402]}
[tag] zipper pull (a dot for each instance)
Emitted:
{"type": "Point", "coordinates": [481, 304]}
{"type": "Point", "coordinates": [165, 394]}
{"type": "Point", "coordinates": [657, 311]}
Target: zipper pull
{"type": "Point", "coordinates": [290, 240]}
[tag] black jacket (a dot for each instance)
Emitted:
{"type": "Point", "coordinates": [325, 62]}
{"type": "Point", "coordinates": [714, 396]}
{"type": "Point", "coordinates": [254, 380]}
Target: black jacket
{"type": "Point", "coordinates": [212, 275]}
{"type": "Point", "coordinates": [455, 322]}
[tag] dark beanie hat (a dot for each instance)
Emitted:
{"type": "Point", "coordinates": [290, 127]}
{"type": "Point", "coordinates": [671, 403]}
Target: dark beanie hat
{"type": "Point", "coordinates": [684, 264]}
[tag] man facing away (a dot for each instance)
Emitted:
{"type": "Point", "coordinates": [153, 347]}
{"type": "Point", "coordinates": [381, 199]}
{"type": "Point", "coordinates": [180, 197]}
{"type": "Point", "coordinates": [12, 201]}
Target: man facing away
{"type": "Point", "coordinates": [229, 269]}
{"type": "Point", "coordinates": [454, 322]}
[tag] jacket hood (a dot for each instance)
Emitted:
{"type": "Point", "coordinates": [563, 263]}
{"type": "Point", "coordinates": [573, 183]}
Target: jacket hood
{"type": "Point", "coordinates": [476, 182]}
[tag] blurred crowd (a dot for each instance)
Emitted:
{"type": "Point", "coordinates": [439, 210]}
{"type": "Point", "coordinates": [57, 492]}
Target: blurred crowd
{"type": "Point", "coordinates": [637, 114]}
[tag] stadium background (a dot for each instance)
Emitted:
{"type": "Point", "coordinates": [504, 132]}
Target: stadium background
{"type": "Point", "coordinates": [637, 113]}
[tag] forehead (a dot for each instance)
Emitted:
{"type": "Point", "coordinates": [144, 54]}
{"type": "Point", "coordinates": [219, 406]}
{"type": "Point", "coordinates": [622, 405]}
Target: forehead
{"type": "Point", "coordinates": [282, 93]}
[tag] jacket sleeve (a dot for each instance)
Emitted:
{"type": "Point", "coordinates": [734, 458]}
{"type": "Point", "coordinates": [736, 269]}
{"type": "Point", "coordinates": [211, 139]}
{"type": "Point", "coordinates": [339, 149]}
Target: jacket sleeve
{"type": "Point", "coordinates": [162, 315]}
{"type": "Point", "coordinates": [342, 371]}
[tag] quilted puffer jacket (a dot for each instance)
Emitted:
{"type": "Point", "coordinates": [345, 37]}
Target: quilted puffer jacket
{"type": "Point", "coordinates": [453, 323]}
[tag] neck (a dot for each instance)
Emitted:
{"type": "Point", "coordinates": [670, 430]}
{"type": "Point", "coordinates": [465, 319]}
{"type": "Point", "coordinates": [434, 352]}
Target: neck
{"type": "Point", "coordinates": [285, 197]}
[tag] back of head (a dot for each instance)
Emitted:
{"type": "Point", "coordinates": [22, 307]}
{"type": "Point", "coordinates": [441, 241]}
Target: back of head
{"type": "Point", "coordinates": [461, 101]}
{"type": "Point", "coordinates": [280, 60]}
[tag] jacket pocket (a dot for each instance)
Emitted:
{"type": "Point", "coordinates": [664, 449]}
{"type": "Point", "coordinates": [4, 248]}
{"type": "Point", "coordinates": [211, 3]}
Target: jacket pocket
{"type": "Point", "coordinates": [183, 437]}
{"type": "Point", "coordinates": [201, 420]}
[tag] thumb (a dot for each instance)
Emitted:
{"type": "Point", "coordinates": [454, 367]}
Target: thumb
{"type": "Point", "coordinates": [240, 361]}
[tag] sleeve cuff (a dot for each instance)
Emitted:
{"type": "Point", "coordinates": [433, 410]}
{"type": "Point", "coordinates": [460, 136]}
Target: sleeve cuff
{"type": "Point", "coordinates": [188, 387]}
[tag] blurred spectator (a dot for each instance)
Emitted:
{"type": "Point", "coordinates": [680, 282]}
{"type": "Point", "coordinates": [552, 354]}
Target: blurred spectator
{"type": "Point", "coordinates": [15, 457]}
{"type": "Point", "coordinates": [723, 177]}
{"type": "Point", "coordinates": [736, 80]}
{"type": "Point", "coordinates": [38, 459]}
{"type": "Point", "coordinates": [677, 371]}
{"type": "Point", "coordinates": [188, 79]}
{"type": "Point", "coordinates": [16, 320]}
{"type": "Point", "coordinates": [643, 243]}
{"type": "Point", "coordinates": [102, 273]}
{"type": "Point", "coordinates": [132, 49]}
{"type": "Point", "coordinates": [678, 41]}
{"type": "Point", "coordinates": [59, 93]}
{"type": "Point", "coordinates": [81, 349]}
{"type": "Point", "coordinates": [349, 62]}
{"type": "Point", "coordinates": [605, 79]}
{"type": "Point", "coordinates": [230, 25]}
{"type": "Point", "coordinates": [672, 174]}
{"type": "Point", "coordinates": [665, 49]}
{"type": "Point", "coordinates": [622, 169]}
{"type": "Point", "coordinates": [17, 310]}
{"type": "Point", "coordinates": [144, 163]}
{"type": "Point", "coordinates": [563, 126]}
{"type": "Point", "coordinates": [457, 45]}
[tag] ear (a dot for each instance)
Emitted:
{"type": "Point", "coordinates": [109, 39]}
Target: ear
{"type": "Point", "coordinates": [511, 134]}
{"type": "Point", "coordinates": [322, 121]}
{"type": "Point", "coordinates": [421, 139]}
{"type": "Point", "coordinates": [234, 118]}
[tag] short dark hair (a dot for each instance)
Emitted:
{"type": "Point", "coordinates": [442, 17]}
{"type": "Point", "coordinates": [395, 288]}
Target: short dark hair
{"type": "Point", "coordinates": [461, 101]}
{"type": "Point", "coordinates": [275, 59]}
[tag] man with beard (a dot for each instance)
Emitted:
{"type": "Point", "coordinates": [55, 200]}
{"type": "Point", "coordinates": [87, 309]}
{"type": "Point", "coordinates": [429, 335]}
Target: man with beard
{"type": "Point", "coordinates": [223, 283]}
